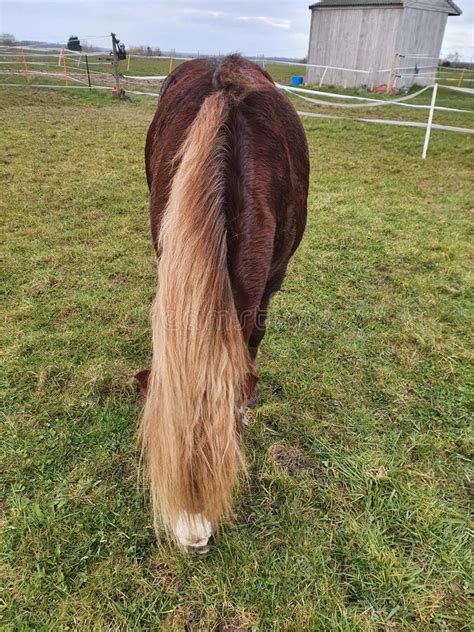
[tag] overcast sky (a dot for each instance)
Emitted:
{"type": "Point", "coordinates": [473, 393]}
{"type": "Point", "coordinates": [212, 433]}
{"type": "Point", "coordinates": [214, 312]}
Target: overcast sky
{"type": "Point", "coordinates": [253, 27]}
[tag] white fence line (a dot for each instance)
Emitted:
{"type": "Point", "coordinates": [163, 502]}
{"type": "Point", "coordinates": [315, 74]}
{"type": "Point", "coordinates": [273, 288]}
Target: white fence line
{"type": "Point", "coordinates": [407, 68]}
{"type": "Point", "coordinates": [373, 104]}
{"type": "Point", "coordinates": [49, 85]}
{"type": "Point", "coordinates": [449, 128]}
{"type": "Point", "coordinates": [133, 56]}
{"type": "Point", "coordinates": [144, 78]}
{"type": "Point", "coordinates": [417, 56]}
{"type": "Point", "coordinates": [449, 70]}
{"type": "Point", "coordinates": [31, 63]}
{"type": "Point", "coordinates": [297, 63]}
{"type": "Point", "coordinates": [75, 53]}
{"type": "Point", "coordinates": [367, 101]}
{"type": "Point", "coordinates": [421, 125]}
{"type": "Point", "coordinates": [458, 89]}
{"type": "Point", "coordinates": [55, 55]}
{"type": "Point", "coordinates": [46, 48]}
{"type": "Point", "coordinates": [20, 73]}
{"type": "Point", "coordinates": [396, 71]}
{"type": "Point", "coordinates": [455, 79]}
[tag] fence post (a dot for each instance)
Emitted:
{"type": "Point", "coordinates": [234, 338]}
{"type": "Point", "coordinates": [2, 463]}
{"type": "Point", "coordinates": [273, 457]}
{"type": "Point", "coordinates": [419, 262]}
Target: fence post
{"type": "Point", "coordinates": [88, 73]}
{"type": "Point", "coordinates": [171, 62]}
{"type": "Point", "coordinates": [322, 76]}
{"type": "Point", "coordinates": [65, 69]}
{"type": "Point", "coordinates": [430, 121]}
{"type": "Point", "coordinates": [392, 73]}
{"type": "Point", "coordinates": [25, 65]}
{"type": "Point", "coordinates": [117, 92]}
{"type": "Point", "coordinates": [60, 58]}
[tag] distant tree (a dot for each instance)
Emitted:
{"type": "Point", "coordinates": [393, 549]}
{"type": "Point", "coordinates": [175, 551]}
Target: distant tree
{"type": "Point", "coordinates": [7, 39]}
{"type": "Point", "coordinates": [90, 48]}
{"type": "Point", "coordinates": [74, 43]}
{"type": "Point", "coordinates": [143, 51]}
{"type": "Point", "coordinates": [453, 57]}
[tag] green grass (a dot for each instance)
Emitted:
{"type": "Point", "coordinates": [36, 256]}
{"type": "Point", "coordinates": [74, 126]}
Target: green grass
{"type": "Point", "coordinates": [364, 370]}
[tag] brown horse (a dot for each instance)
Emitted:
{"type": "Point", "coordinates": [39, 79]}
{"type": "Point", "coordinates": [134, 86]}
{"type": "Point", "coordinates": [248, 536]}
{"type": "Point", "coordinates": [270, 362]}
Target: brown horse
{"type": "Point", "coordinates": [227, 168]}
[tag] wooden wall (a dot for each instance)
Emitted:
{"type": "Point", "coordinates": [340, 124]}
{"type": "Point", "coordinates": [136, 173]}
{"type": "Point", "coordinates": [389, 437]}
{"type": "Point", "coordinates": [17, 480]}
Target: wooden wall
{"type": "Point", "coordinates": [367, 38]}
{"type": "Point", "coordinates": [420, 32]}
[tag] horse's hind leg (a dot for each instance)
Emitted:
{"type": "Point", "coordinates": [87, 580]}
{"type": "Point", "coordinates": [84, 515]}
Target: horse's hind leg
{"type": "Point", "coordinates": [260, 326]}
{"type": "Point", "coordinates": [255, 339]}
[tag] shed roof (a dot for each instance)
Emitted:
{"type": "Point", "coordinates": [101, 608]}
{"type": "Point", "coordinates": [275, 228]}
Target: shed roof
{"type": "Point", "coordinates": [451, 7]}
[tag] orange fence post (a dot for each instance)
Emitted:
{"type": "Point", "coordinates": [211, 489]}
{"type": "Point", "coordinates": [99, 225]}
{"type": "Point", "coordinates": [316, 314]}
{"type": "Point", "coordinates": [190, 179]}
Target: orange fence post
{"type": "Point", "coordinates": [65, 69]}
{"type": "Point", "coordinates": [25, 65]}
{"type": "Point", "coordinates": [461, 79]}
{"type": "Point", "coordinates": [171, 63]}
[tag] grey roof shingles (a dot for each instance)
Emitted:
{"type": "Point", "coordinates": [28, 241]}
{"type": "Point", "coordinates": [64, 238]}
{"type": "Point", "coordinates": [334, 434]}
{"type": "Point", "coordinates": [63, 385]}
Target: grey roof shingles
{"type": "Point", "coordinates": [352, 3]}
{"type": "Point", "coordinates": [453, 9]}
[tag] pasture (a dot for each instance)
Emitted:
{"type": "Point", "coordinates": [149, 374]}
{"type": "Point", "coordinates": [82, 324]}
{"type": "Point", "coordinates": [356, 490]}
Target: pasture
{"type": "Point", "coordinates": [355, 514]}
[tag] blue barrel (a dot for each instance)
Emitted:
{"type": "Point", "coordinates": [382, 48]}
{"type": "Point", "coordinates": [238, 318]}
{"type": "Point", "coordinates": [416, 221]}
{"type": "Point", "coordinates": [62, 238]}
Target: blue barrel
{"type": "Point", "coordinates": [297, 81]}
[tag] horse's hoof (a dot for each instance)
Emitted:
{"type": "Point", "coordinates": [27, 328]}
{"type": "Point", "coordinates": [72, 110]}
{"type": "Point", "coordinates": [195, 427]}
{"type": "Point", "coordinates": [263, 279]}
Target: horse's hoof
{"type": "Point", "coordinates": [193, 532]}
{"type": "Point", "coordinates": [200, 550]}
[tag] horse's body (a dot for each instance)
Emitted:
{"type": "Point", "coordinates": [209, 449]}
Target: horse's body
{"type": "Point", "coordinates": [227, 169]}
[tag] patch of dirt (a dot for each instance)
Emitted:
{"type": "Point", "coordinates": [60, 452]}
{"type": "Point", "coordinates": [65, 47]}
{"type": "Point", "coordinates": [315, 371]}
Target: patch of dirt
{"type": "Point", "coordinates": [290, 459]}
{"type": "Point", "coordinates": [68, 312]}
{"type": "Point", "coordinates": [164, 574]}
{"type": "Point", "coordinates": [232, 625]}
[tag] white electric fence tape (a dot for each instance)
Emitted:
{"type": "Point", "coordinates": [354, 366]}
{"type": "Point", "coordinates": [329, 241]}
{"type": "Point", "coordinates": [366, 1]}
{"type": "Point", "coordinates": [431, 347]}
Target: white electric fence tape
{"type": "Point", "coordinates": [456, 89]}
{"type": "Point", "coordinates": [145, 78]}
{"type": "Point", "coordinates": [161, 57]}
{"type": "Point", "coordinates": [448, 128]}
{"type": "Point", "coordinates": [368, 101]}
{"type": "Point", "coordinates": [48, 85]}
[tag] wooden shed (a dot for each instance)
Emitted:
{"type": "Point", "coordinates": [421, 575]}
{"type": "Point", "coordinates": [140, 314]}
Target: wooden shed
{"type": "Point", "coordinates": [372, 42]}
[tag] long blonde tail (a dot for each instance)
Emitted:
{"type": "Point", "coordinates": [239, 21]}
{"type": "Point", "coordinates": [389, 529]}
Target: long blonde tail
{"type": "Point", "coordinates": [200, 364]}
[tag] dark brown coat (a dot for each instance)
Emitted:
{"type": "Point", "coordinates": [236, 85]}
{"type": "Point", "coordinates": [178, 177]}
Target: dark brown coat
{"type": "Point", "coordinates": [266, 176]}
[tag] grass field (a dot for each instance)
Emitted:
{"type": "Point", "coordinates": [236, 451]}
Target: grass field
{"type": "Point", "coordinates": [355, 517]}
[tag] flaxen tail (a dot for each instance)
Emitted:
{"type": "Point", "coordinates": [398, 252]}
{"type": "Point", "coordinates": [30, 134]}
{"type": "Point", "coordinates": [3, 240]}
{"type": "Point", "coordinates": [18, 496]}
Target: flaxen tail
{"type": "Point", "coordinates": [200, 363]}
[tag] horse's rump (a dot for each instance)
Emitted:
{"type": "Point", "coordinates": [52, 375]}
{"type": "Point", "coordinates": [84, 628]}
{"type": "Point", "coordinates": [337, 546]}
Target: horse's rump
{"type": "Point", "coordinates": [267, 167]}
